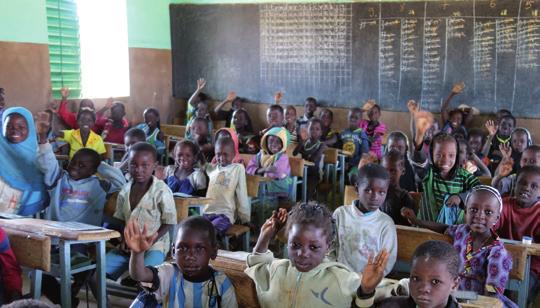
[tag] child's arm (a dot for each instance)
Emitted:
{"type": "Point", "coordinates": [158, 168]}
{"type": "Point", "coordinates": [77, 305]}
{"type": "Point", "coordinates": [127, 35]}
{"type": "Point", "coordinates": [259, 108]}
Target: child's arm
{"type": "Point", "coordinates": [242, 200]}
{"type": "Point", "coordinates": [229, 99]}
{"type": "Point", "coordinates": [484, 170]}
{"type": "Point", "coordinates": [46, 160]}
{"type": "Point", "coordinates": [269, 230]}
{"type": "Point", "coordinates": [456, 89]}
{"type": "Point", "coordinates": [371, 276]}
{"type": "Point", "coordinates": [413, 108]}
{"type": "Point", "coordinates": [69, 118]}
{"type": "Point", "coordinates": [431, 225]}
{"type": "Point", "coordinates": [194, 99]}
{"type": "Point", "coordinates": [138, 242]}
{"type": "Point", "coordinates": [253, 167]}
{"type": "Point", "coordinates": [492, 130]}
{"type": "Point", "coordinates": [100, 114]}
{"type": "Point", "coordinates": [112, 175]}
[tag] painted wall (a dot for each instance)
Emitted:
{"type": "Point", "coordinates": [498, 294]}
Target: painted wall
{"type": "Point", "coordinates": [23, 21]}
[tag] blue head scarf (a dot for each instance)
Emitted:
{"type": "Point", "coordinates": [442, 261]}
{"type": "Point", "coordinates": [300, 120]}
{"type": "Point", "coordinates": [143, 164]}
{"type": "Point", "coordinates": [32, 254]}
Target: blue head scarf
{"type": "Point", "coordinates": [19, 170]}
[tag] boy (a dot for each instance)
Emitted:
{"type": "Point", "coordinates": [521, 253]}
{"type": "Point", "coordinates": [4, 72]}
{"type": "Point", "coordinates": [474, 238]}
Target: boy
{"type": "Point", "coordinates": [274, 118]}
{"type": "Point", "coordinates": [132, 136]}
{"type": "Point", "coordinates": [310, 107]}
{"type": "Point", "coordinates": [396, 197]}
{"type": "Point", "coordinates": [191, 281]}
{"type": "Point", "coordinates": [236, 103]}
{"type": "Point", "coordinates": [113, 128]}
{"type": "Point", "coordinates": [362, 228]}
{"type": "Point", "coordinates": [503, 180]}
{"type": "Point", "coordinates": [498, 134]}
{"type": "Point", "coordinates": [354, 140]}
{"type": "Point", "coordinates": [227, 187]}
{"type": "Point", "coordinates": [151, 202]}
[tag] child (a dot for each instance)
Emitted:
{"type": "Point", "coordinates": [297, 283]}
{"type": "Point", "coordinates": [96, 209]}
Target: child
{"type": "Point", "coordinates": [329, 136]}
{"type": "Point", "coordinates": [83, 137]}
{"type": "Point", "coordinates": [374, 129]}
{"type": "Point", "coordinates": [132, 136]}
{"type": "Point", "coordinates": [433, 278]}
{"type": "Point", "coordinates": [453, 119]}
{"type": "Point", "coordinates": [23, 191]}
{"type": "Point", "coordinates": [398, 141]}
{"type": "Point", "coordinates": [231, 134]}
{"type": "Point", "coordinates": [312, 149]}
{"type": "Point", "coordinates": [354, 139]}
{"type": "Point", "coordinates": [227, 115]}
{"type": "Point", "coordinates": [200, 135]}
{"type": "Point", "coordinates": [310, 107]}
{"type": "Point", "coordinates": [307, 279]}
{"type": "Point", "coordinates": [151, 129]}
{"type": "Point", "coordinates": [227, 187]}
{"type": "Point", "coordinates": [498, 134]}
{"type": "Point", "coordinates": [470, 162]}
{"type": "Point", "coordinates": [274, 118]}
{"type": "Point", "coordinates": [183, 177]}
{"type": "Point", "coordinates": [195, 98]}
{"type": "Point", "coordinates": [503, 180]}
{"type": "Point", "coordinates": [423, 128]}
{"type": "Point", "coordinates": [362, 228]}
{"type": "Point", "coordinates": [443, 180]}
{"type": "Point", "coordinates": [70, 118]}
{"type": "Point", "coordinates": [190, 281]}
{"type": "Point", "coordinates": [485, 263]}
{"type": "Point", "coordinates": [476, 140]}
{"type": "Point", "coordinates": [396, 197]}
{"type": "Point", "coordinates": [520, 140]}
{"type": "Point", "coordinates": [521, 217]}
{"type": "Point", "coordinates": [241, 123]}
{"type": "Point", "coordinates": [272, 162]}
{"type": "Point", "coordinates": [10, 272]}
{"type": "Point", "coordinates": [113, 128]}
{"type": "Point", "coordinates": [148, 200]}
{"type": "Point", "coordinates": [201, 111]}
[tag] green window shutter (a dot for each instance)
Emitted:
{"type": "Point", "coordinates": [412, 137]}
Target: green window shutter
{"type": "Point", "coordinates": [64, 46]}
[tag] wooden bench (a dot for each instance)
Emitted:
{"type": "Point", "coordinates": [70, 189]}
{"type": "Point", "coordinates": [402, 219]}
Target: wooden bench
{"type": "Point", "coordinates": [299, 177]}
{"type": "Point", "coordinates": [350, 195]}
{"type": "Point", "coordinates": [32, 250]}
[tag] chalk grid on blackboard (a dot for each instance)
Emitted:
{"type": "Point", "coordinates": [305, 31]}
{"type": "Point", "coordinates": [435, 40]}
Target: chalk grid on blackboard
{"type": "Point", "coordinates": [306, 45]}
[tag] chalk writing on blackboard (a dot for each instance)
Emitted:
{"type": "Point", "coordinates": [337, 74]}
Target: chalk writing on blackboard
{"type": "Point", "coordinates": [431, 73]}
{"type": "Point", "coordinates": [528, 49]}
{"type": "Point", "coordinates": [409, 44]}
{"type": "Point", "coordinates": [506, 35]}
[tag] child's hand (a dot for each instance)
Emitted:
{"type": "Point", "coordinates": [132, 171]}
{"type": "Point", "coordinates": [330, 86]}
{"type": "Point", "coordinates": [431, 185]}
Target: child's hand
{"type": "Point", "coordinates": [374, 272]}
{"type": "Point", "coordinates": [423, 121]}
{"type": "Point", "coordinates": [278, 97]}
{"type": "Point", "coordinates": [506, 150]}
{"type": "Point", "coordinates": [458, 87]}
{"type": "Point", "coordinates": [200, 84]}
{"type": "Point", "coordinates": [43, 125]}
{"type": "Point", "coordinates": [491, 127]}
{"type": "Point", "coordinates": [413, 106]}
{"type": "Point", "coordinates": [409, 214]}
{"type": "Point", "coordinates": [504, 168]}
{"type": "Point", "coordinates": [453, 200]}
{"type": "Point", "coordinates": [367, 158]}
{"type": "Point", "coordinates": [136, 240]}
{"type": "Point", "coordinates": [368, 104]}
{"type": "Point", "coordinates": [159, 172]}
{"type": "Point", "coordinates": [109, 103]}
{"type": "Point", "coordinates": [64, 91]}
{"type": "Point", "coordinates": [230, 96]}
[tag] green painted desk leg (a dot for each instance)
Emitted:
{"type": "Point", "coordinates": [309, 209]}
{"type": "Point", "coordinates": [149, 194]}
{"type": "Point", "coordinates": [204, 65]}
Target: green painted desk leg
{"type": "Point", "coordinates": [100, 267]}
{"type": "Point", "coordinates": [65, 274]}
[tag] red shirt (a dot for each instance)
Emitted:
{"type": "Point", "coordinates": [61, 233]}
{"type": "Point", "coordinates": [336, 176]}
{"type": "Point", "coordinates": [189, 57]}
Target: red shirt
{"type": "Point", "coordinates": [516, 222]}
{"type": "Point", "coordinates": [9, 268]}
{"type": "Point", "coordinates": [109, 132]}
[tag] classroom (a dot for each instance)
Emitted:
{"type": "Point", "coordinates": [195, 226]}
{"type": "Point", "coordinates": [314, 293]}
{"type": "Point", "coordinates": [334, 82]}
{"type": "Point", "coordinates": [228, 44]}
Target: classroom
{"type": "Point", "coordinates": [270, 153]}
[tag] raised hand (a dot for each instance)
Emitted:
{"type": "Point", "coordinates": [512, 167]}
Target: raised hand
{"type": "Point", "coordinates": [64, 91]}
{"type": "Point", "coordinates": [423, 121]}
{"type": "Point", "coordinates": [504, 168]}
{"type": "Point", "coordinates": [373, 272]}
{"type": "Point", "coordinates": [230, 96]}
{"type": "Point", "coordinates": [506, 150]}
{"type": "Point", "coordinates": [201, 83]}
{"type": "Point", "coordinates": [43, 123]}
{"type": "Point", "coordinates": [491, 127]}
{"type": "Point", "coordinates": [368, 104]}
{"type": "Point", "coordinates": [136, 240]}
{"type": "Point", "coordinates": [278, 97]}
{"type": "Point", "coordinates": [409, 215]}
{"type": "Point", "coordinates": [458, 87]}
{"type": "Point", "coordinates": [413, 106]}
{"type": "Point", "coordinates": [367, 158]}
{"type": "Point", "coordinates": [109, 103]}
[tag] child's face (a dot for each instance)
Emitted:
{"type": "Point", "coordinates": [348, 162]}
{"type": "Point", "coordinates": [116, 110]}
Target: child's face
{"type": "Point", "coordinates": [290, 115]}
{"type": "Point", "coordinates": [141, 166]}
{"type": "Point", "coordinates": [431, 283]}
{"type": "Point", "coordinates": [527, 190]}
{"type": "Point", "coordinates": [151, 119]}
{"type": "Point", "coordinates": [224, 154]}
{"type": "Point", "coordinates": [506, 126]}
{"type": "Point", "coordinates": [397, 144]}
{"type": "Point", "coordinates": [456, 119]}
{"type": "Point", "coordinates": [519, 141]}
{"type": "Point", "coordinates": [239, 120]}
{"type": "Point", "coordinates": [130, 140]}
{"type": "Point", "coordinates": [274, 117]}
{"type": "Point", "coordinates": [86, 121]}
{"type": "Point", "coordinates": [199, 129]}
{"type": "Point", "coordinates": [326, 119]}
{"type": "Point", "coordinates": [530, 158]}
{"type": "Point", "coordinates": [184, 158]}
{"type": "Point", "coordinates": [236, 104]}
{"type": "Point", "coordinates": [482, 212]}
{"type": "Point", "coordinates": [193, 250]}
{"type": "Point", "coordinates": [315, 131]}
{"type": "Point", "coordinates": [475, 143]}
{"type": "Point", "coordinates": [309, 108]}
{"type": "Point", "coordinates": [274, 144]}
{"type": "Point", "coordinates": [16, 130]}
{"type": "Point", "coordinates": [307, 246]}
{"type": "Point", "coordinates": [81, 167]}
{"type": "Point", "coordinates": [462, 154]}
{"type": "Point", "coordinates": [444, 156]}
{"type": "Point", "coordinates": [353, 119]}
{"type": "Point", "coordinates": [372, 193]}
{"type": "Point", "coordinates": [374, 114]}
{"type": "Point", "coordinates": [117, 113]}
{"type": "Point", "coordinates": [202, 110]}
{"type": "Point", "coordinates": [395, 169]}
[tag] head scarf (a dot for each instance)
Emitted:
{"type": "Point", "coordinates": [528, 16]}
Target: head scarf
{"type": "Point", "coordinates": [234, 137]}
{"type": "Point", "coordinates": [267, 158]}
{"type": "Point", "coordinates": [20, 171]}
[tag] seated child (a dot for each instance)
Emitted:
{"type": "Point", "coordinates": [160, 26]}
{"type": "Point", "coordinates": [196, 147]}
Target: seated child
{"type": "Point", "coordinates": [201, 111]}
{"type": "Point", "coordinates": [470, 162]}
{"type": "Point", "coordinates": [113, 129]}
{"type": "Point", "coordinates": [329, 137]}
{"type": "Point", "coordinates": [273, 162]}
{"type": "Point", "coordinates": [396, 197]}
{"type": "Point", "coordinates": [132, 136]}
{"type": "Point", "coordinates": [476, 140]}
{"type": "Point", "coordinates": [247, 140]}
{"type": "Point", "coordinates": [195, 98]}
{"type": "Point", "coordinates": [498, 134]}
{"type": "Point", "coordinates": [485, 263]}
{"type": "Point", "coordinates": [151, 128]}
{"type": "Point", "coordinates": [10, 272]}
{"type": "Point", "coordinates": [519, 141]}
{"type": "Point", "coordinates": [362, 228]}
{"type": "Point", "coordinates": [504, 180]}
{"type": "Point", "coordinates": [236, 103]}
{"type": "Point", "coordinates": [453, 120]}
{"type": "Point", "coordinates": [374, 129]}
{"type": "Point", "coordinates": [83, 137]}
{"type": "Point", "coordinates": [308, 278]}
{"type": "Point", "coordinates": [227, 187]}
{"type": "Point", "coordinates": [183, 177]}
{"type": "Point", "coordinates": [274, 118]}
{"type": "Point", "coordinates": [310, 107]}
{"type": "Point", "coordinates": [398, 141]}
{"type": "Point", "coordinates": [312, 149]}
{"type": "Point", "coordinates": [354, 140]}
{"type": "Point", "coordinates": [70, 118]}
{"type": "Point", "coordinates": [433, 278]}
{"type": "Point", "coordinates": [290, 122]}
{"type": "Point", "coordinates": [521, 217]}
{"type": "Point", "coordinates": [150, 201]}
{"type": "Point", "coordinates": [231, 134]}
{"type": "Point", "coordinates": [199, 134]}
{"type": "Point", "coordinates": [188, 282]}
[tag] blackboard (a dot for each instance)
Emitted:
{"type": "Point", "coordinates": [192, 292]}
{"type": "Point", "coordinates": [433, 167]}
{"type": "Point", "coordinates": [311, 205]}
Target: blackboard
{"type": "Point", "coordinates": [346, 53]}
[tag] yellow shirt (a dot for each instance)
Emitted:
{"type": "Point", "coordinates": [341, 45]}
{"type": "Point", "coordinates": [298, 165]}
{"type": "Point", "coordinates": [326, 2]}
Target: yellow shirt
{"type": "Point", "coordinates": [73, 137]}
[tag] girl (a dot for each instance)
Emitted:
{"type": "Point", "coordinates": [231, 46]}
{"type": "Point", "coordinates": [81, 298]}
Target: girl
{"type": "Point", "coordinates": [183, 177]}
{"type": "Point", "coordinates": [23, 190]}
{"type": "Point", "coordinates": [273, 162]}
{"type": "Point", "coordinates": [329, 136]}
{"type": "Point", "coordinates": [453, 120]}
{"type": "Point", "coordinates": [227, 132]}
{"type": "Point", "coordinates": [83, 137]}
{"type": "Point", "coordinates": [398, 141]}
{"type": "Point", "coordinates": [469, 161]}
{"type": "Point", "coordinates": [374, 129]}
{"type": "Point", "coordinates": [241, 123]}
{"type": "Point", "coordinates": [198, 133]}
{"type": "Point", "coordinates": [307, 279]}
{"type": "Point", "coordinates": [485, 263]}
{"type": "Point", "coordinates": [152, 128]}
{"type": "Point", "coordinates": [201, 112]}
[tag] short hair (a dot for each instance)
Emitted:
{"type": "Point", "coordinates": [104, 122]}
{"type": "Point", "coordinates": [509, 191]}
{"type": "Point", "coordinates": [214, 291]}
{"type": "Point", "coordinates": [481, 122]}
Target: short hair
{"type": "Point", "coordinates": [96, 158]}
{"type": "Point", "coordinates": [144, 147]}
{"type": "Point", "coordinates": [85, 101]}
{"type": "Point", "coordinates": [203, 97]}
{"type": "Point", "coordinates": [135, 132]}
{"type": "Point", "coordinates": [249, 125]}
{"type": "Point", "coordinates": [443, 137]}
{"type": "Point", "coordinates": [371, 171]}
{"type": "Point", "coordinates": [455, 111]}
{"type": "Point", "coordinates": [399, 135]}
{"type": "Point", "coordinates": [290, 107]}
{"type": "Point", "coordinates": [202, 226]}
{"type": "Point", "coordinates": [200, 119]}
{"type": "Point", "coordinates": [477, 132]}
{"type": "Point", "coordinates": [194, 147]}
{"type": "Point", "coordinates": [311, 100]}
{"type": "Point", "coordinates": [151, 110]}
{"type": "Point", "coordinates": [225, 142]}
{"type": "Point", "coordinates": [119, 104]}
{"type": "Point", "coordinates": [504, 111]}
{"type": "Point", "coordinates": [509, 116]}
{"type": "Point", "coordinates": [439, 251]}
{"type": "Point", "coordinates": [528, 170]}
{"type": "Point", "coordinates": [276, 107]}
{"type": "Point", "coordinates": [315, 214]}
{"type": "Point", "coordinates": [394, 155]}
{"type": "Point", "coordinates": [27, 303]}
{"type": "Point", "coordinates": [355, 110]}
{"type": "Point", "coordinates": [86, 111]}
{"type": "Point", "coordinates": [533, 147]}
{"type": "Point", "coordinates": [315, 120]}
{"type": "Point", "coordinates": [329, 112]}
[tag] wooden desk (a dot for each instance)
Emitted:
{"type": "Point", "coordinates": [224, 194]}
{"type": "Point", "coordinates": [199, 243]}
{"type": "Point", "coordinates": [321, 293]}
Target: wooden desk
{"type": "Point", "coordinates": [65, 238]}
{"type": "Point", "coordinates": [483, 301]}
{"type": "Point", "coordinates": [183, 204]}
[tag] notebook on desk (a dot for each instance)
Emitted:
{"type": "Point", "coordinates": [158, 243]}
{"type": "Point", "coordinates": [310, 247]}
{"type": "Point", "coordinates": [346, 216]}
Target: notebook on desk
{"type": "Point", "coordinates": [72, 225]}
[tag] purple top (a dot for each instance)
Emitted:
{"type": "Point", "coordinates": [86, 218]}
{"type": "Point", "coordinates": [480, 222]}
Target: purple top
{"type": "Point", "coordinates": [283, 168]}
{"type": "Point", "coordinates": [375, 136]}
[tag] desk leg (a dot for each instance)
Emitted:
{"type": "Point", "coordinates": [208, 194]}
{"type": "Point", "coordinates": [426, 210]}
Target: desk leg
{"type": "Point", "coordinates": [35, 287]}
{"type": "Point", "coordinates": [65, 272]}
{"type": "Point", "coordinates": [342, 175]}
{"type": "Point", "coordinates": [523, 293]}
{"type": "Point", "coordinates": [335, 190]}
{"type": "Point", "coordinates": [100, 266]}
{"type": "Point", "coordinates": [304, 186]}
